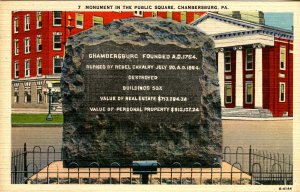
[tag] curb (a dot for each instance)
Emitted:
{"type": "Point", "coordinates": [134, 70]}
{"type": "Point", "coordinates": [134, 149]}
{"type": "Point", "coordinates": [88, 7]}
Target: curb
{"type": "Point", "coordinates": [36, 125]}
{"type": "Point", "coordinates": [258, 119]}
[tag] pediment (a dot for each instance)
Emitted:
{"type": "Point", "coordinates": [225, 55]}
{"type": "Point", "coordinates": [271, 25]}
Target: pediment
{"type": "Point", "coordinates": [216, 24]}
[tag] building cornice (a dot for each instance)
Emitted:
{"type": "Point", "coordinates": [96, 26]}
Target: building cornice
{"type": "Point", "coordinates": [252, 32]}
{"type": "Point", "coordinates": [243, 40]}
{"type": "Point", "coordinates": [34, 79]}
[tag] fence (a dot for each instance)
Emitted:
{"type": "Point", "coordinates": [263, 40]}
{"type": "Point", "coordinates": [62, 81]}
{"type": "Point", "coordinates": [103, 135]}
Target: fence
{"type": "Point", "coordinates": [239, 166]}
{"type": "Point", "coordinates": [264, 167]}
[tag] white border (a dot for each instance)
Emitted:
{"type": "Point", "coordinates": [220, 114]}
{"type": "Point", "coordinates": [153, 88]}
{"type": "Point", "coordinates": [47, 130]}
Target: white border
{"type": "Point", "coordinates": [5, 102]}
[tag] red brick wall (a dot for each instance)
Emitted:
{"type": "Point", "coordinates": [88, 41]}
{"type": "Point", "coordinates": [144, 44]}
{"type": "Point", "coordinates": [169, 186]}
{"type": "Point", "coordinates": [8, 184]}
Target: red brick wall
{"type": "Point", "coordinates": [271, 71]}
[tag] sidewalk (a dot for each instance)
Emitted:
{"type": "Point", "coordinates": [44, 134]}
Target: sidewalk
{"type": "Point", "coordinates": [32, 111]}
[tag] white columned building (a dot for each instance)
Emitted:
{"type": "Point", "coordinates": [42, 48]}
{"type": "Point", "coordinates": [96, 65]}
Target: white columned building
{"type": "Point", "coordinates": [241, 47]}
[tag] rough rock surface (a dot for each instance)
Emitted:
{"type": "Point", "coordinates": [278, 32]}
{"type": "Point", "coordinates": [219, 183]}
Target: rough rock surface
{"type": "Point", "coordinates": [108, 140]}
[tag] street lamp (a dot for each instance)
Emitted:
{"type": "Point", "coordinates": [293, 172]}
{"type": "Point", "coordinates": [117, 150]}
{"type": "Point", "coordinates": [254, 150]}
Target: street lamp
{"type": "Point", "coordinates": [49, 116]}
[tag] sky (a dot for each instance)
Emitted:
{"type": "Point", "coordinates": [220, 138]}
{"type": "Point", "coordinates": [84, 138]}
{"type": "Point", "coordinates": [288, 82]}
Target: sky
{"type": "Point", "coordinates": [280, 20]}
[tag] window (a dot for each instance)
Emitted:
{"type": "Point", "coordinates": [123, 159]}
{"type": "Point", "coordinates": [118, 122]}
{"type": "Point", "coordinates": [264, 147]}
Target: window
{"type": "Point", "coordinates": [281, 92]}
{"type": "Point", "coordinates": [27, 45]}
{"type": "Point", "coordinates": [97, 20]}
{"type": "Point", "coordinates": [39, 96]}
{"type": "Point", "coordinates": [39, 66]}
{"type": "Point", "coordinates": [16, 46]}
{"type": "Point", "coordinates": [138, 13]}
{"type": "Point", "coordinates": [249, 93]}
{"type": "Point", "coordinates": [249, 59]}
{"type": "Point", "coordinates": [27, 67]}
{"type": "Point", "coordinates": [16, 69]}
{"type": "Point", "coordinates": [169, 15]}
{"type": "Point", "coordinates": [183, 17]}
{"type": "Point", "coordinates": [196, 16]}
{"type": "Point", "coordinates": [154, 14]}
{"type": "Point", "coordinates": [16, 25]}
{"type": "Point", "coordinates": [38, 43]}
{"type": "Point", "coordinates": [282, 57]}
{"type": "Point", "coordinates": [16, 96]}
{"type": "Point", "coordinates": [79, 20]}
{"type": "Point", "coordinates": [38, 19]}
{"type": "Point", "coordinates": [228, 93]}
{"type": "Point", "coordinates": [27, 22]}
{"type": "Point", "coordinates": [57, 64]}
{"type": "Point", "coordinates": [27, 96]}
{"type": "Point", "coordinates": [56, 18]}
{"type": "Point", "coordinates": [57, 41]}
{"type": "Point", "coordinates": [227, 59]}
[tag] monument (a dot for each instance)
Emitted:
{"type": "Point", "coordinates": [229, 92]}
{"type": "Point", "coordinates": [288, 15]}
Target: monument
{"type": "Point", "coordinates": [141, 89]}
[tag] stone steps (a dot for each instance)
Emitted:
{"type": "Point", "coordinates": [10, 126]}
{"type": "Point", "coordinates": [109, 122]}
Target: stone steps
{"type": "Point", "coordinates": [57, 107]}
{"type": "Point", "coordinates": [251, 113]}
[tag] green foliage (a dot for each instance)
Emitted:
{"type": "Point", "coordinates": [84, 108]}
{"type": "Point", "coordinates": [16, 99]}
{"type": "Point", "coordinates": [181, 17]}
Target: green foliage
{"type": "Point", "coordinates": [35, 119]}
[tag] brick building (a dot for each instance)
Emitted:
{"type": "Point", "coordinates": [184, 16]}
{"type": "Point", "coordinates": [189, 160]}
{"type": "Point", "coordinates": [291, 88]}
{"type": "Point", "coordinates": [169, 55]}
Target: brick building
{"type": "Point", "coordinates": [38, 41]}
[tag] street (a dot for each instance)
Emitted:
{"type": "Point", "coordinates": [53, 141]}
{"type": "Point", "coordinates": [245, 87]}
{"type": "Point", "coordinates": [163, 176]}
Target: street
{"type": "Point", "coordinates": [272, 136]}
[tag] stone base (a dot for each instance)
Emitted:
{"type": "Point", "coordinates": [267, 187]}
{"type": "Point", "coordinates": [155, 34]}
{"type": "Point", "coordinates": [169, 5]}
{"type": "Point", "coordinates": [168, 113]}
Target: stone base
{"type": "Point", "coordinates": [58, 174]}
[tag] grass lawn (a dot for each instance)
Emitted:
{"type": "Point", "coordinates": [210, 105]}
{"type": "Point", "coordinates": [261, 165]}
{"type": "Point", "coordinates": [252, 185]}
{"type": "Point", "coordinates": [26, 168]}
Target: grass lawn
{"type": "Point", "coordinates": [35, 118]}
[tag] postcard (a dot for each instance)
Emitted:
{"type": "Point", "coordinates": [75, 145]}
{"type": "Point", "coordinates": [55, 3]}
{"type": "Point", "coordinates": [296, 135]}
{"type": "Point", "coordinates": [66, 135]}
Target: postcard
{"type": "Point", "coordinates": [142, 95]}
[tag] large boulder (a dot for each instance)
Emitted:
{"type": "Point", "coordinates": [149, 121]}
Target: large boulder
{"type": "Point", "coordinates": [141, 89]}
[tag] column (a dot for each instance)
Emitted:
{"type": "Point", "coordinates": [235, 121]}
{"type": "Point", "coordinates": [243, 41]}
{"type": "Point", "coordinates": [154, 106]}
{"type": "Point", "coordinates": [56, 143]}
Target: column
{"type": "Point", "coordinates": [239, 77]}
{"type": "Point", "coordinates": [258, 77]}
{"type": "Point", "coordinates": [221, 64]}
